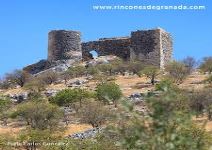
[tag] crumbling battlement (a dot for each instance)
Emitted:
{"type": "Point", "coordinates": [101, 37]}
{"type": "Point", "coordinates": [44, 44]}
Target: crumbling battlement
{"type": "Point", "coordinates": [152, 47]}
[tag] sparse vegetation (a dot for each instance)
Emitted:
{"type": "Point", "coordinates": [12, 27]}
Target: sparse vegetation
{"type": "Point", "coordinates": [18, 77]}
{"type": "Point", "coordinates": [76, 71]}
{"type": "Point", "coordinates": [5, 105]}
{"type": "Point", "coordinates": [150, 72]}
{"type": "Point", "coordinates": [48, 77]}
{"type": "Point", "coordinates": [36, 84]}
{"type": "Point", "coordinates": [163, 118]}
{"type": "Point", "coordinates": [190, 63]}
{"type": "Point", "coordinates": [95, 113]}
{"type": "Point", "coordinates": [69, 96]}
{"type": "Point", "coordinates": [167, 126]}
{"type": "Point", "coordinates": [206, 65]}
{"type": "Point", "coordinates": [39, 115]}
{"type": "Point", "coordinates": [109, 92]}
{"type": "Point", "coordinates": [177, 71]}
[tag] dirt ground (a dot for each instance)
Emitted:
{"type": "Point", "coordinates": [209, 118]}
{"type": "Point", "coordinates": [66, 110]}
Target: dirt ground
{"type": "Point", "coordinates": [70, 129]}
{"type": "Point", "coordinates": [203, 122]}
{"type": "Point", "coordinates": [76, 128]}
{"type": "Point", "coordinates": [128, 84]}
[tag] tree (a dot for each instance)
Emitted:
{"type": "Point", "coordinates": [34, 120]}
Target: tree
{"type": "Point", "coordinates": [91, 70]}
{"type": "Point", "coordinates": [94, 114]}
{"type": "Point", "coordinates": [190, 63]}
{"type": "Point", "coordinates": [135, 66]}
{"type": "Point", "coordinates": [39, 115]}
{"type": "Point", "coordinates": [167, 126]}
{"type": "Point", "coordinates": [150, 72]}
{"type": "Point", "coordinates": [18, 77]}
{"type": "Point", "coordinates": [177, 71]}
{"type": "Point", "coordinates": [4, 84]}
{"type": "Point", "coordinates": [117, 65]}
{"type": "Point", "coordinates": [48, 77]}
{"type": "Point", "coordinates": [200, 101]}
{"type": "Point", "coordinates": [5, 105]}
{"type": "Point", "coordinates": [69, 96]}
{"type": "Point", "coordinates": [109, 91]}
{"type": "Point", "coordinates": [36, 84]}
{"type": "Point", "coordinates": [207, 101]}
{"type": "Point", "coordinates": [106, 68]}
{"type": "Point", "coordinates": [197, 99]}
{"type": "Point", "coordinates": [72, 72]}
{"type": "Point", "coordinates": [76, 71]}
{"type": "Point", "coordinates": [206, 65]}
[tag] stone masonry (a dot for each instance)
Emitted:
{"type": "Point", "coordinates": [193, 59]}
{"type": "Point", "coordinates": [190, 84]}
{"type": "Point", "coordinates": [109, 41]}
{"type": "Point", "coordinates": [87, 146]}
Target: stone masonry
{"type": "Point", "coordinates": [108, 46]}
{"type": "Point", "coordinates": [153, 47]}
{"type": "Point", "coordinates": [63, 44]}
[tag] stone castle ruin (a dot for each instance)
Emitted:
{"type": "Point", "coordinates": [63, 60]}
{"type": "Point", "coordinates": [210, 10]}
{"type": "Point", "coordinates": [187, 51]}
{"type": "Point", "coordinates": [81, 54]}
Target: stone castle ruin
{"type": "Point", "coordinates": [153, 47]}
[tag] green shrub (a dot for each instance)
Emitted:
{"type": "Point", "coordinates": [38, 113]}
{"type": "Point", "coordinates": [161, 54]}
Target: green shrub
{"type": "Point", "coordinates": [67, 97]}
{"type": "Point", "coordinates": [177, 71]}
{"type": "Point", "coordinates": [206, 65]}
{"type": "Point", "coordinates": [167, 125]}
{"type": "Point", "coordinates": [109, 91]}
{"type": "Point", "coordinates": [150, 72]}
{"type": "Point", "coordinates": [39, 115]}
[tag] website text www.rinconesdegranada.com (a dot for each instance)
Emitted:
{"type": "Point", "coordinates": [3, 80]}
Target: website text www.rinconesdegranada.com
{"type": "Point", "coordinates": [149, 7]}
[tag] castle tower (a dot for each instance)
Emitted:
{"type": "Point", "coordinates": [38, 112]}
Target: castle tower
{"type": "Point", "coordinates": [63, 44]}
{"type": "Point", "coordinates": [153, 47]}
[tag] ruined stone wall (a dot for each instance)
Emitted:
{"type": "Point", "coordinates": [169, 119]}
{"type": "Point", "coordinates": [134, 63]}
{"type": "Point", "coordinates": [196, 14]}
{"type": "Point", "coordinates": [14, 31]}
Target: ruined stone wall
{"type": "Point", "coordinates": [108, 46]}
{"type": "Point", "coordinates": [166, 48]}
{"type": "Point", "coordinates": [146, 46]}
{"type": "Point", "coordinates": [63, 44]}
{"type": "Point", "coordinates": [152, 47]}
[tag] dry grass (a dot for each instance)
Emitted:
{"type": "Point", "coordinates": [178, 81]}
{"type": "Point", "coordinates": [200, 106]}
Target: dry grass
{"type": "Point", "coordinates": [128, 84]}
{"type": "Point", "coordinates": [75, 128]}
{"type": "Point", "coordinates": [13, 91]}
{"type": "Point", "coordinates": [203, 122]}
{"type": "Point", "coordinates": [194, 81]}
{"type": "Point", "coordinates": [132, 84]}
{"type": "Point", "coordinates": [9, 130]}
{"type": "Point", "coordinates": [70, 129]}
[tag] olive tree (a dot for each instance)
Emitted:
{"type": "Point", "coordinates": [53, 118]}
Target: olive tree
{"type": "Point", "coordinates": [76, 71]}
{"type": "Point", "coordinates": [177, 71]}
{"type": "Point", "coordinates": [206, 65]}
{"type": "Point", "coordinates": [150, 72]}
{"type": "Point", "coordinates": [190, 63]}
{"type": "Point", "coordinates": [109, 91]}
{"type": "Point", "coordinates": [48, 77]}
{"type": "Point", "coordinates": [67, 97]}
{"type": "Point", "coordinates": [18, 77]}
{"type": "Point", "coordinates": [39, 115]}
{"type": "Point", "coordinates": [95, 114]}
{"type": "Point", "coordinates": [36, 84]}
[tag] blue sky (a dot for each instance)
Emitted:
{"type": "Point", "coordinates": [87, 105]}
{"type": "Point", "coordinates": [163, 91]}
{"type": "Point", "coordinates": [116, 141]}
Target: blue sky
{"type": "Point", "coordinates": [24, 26]}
